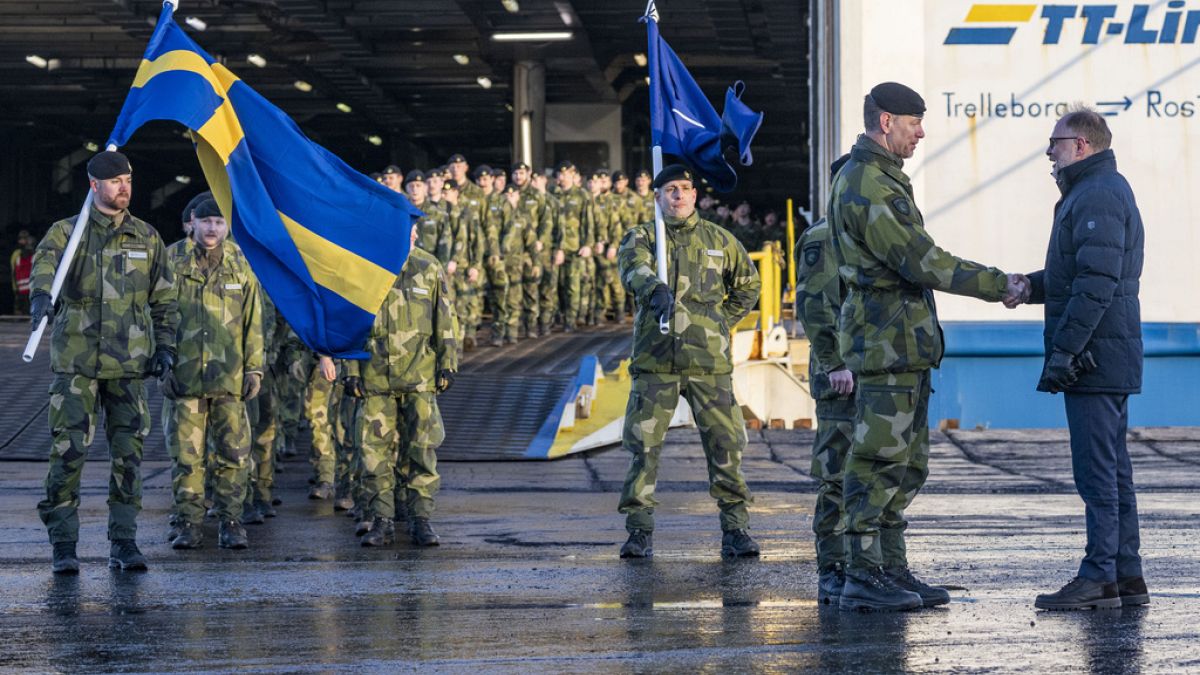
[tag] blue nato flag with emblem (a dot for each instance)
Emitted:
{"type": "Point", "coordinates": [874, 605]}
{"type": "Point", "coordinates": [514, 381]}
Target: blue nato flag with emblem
{"type": "Point", "coordinates": [325, 241]}
{"type": "Point", "coordinates": [684, 123]}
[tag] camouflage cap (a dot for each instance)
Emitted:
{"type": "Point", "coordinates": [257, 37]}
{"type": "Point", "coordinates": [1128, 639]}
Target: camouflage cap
{"type": "Point", "coordinates": [897, 99]}
{"type": "Point", "coordinates": [108, 164]}
{"type": "Point", "coordinates": [673, 172]}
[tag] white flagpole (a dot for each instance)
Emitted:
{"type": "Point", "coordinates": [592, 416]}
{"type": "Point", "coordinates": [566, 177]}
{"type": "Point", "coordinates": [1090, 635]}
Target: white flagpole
{"type": "Point", "coordinates": [64, 266]}
{"type": "Point", "coordinates": [660, 228]}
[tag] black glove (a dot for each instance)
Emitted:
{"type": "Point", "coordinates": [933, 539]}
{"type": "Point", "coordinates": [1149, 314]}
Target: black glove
{"type": "Point", "coordinates": [161, 363]}
{"type": "Point", "coordinates": [662, 305]}
{"type": "Point", "coordinates": [1085, 363]}
{"type": "Point", "coordinates": [251, 385]}
{"type": "Point", "coordinates": [445, 378]}
{"type": "Point", "coordinates": [1060, 372]}
{"type": "Point", "coordinates": [353, 386]}
{"type": "Point", "coordinates": [40, 306]}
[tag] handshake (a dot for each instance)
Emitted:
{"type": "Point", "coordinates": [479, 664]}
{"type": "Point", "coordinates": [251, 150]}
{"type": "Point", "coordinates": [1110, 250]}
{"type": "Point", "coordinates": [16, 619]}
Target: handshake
{"type": "Point", "coordinates": [1018, 292]}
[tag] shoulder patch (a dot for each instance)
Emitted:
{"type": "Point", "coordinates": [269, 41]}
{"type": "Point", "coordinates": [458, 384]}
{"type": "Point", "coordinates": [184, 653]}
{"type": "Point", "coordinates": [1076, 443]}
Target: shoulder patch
{"type": "Point", "coordinates": [812, 254]}
{"type": "Point", "coordinates": [900, 204]}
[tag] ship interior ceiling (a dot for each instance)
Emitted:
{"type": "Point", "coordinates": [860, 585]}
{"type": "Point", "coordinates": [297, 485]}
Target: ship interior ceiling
{"type": "Point", "coordinates": [379, 82]}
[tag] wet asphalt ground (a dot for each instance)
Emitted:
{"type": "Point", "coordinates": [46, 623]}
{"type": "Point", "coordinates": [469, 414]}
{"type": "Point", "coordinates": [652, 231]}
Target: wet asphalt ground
{"type": "Point", "coordinates": [528, 578]}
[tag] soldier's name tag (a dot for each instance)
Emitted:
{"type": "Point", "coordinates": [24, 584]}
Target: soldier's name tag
{"type": "Point", "coordinates": [233, 287]}
{"type": "Point", "coordinates": [420, 291]}
{"type": "Point", "coordinates": [137, 255]}
{"type": "Point", "coordinates": [716, 253]}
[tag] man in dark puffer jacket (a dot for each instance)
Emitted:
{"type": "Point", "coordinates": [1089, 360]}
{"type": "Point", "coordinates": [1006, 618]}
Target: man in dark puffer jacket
{"type": "Point", "coordinates": [1093, 339]}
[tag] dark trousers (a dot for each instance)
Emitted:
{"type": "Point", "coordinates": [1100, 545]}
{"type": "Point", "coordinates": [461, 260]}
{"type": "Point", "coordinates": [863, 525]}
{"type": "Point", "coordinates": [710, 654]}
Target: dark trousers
{"type": "Point", "coordinates": [1104, 479]}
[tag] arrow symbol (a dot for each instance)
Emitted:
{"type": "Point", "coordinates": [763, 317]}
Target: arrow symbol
{"type": "Point", "coordinates": [1126, 103]}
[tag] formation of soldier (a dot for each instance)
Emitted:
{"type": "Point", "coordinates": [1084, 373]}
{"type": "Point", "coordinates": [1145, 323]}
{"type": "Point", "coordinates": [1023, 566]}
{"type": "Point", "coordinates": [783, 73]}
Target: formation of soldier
{"type": "Point", "coordinates": [532, 253]}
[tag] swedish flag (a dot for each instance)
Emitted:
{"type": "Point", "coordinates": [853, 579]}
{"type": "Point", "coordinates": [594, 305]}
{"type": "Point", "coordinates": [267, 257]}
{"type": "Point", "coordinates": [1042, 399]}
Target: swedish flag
{"type": "Point", "coordinates": [325, 241]}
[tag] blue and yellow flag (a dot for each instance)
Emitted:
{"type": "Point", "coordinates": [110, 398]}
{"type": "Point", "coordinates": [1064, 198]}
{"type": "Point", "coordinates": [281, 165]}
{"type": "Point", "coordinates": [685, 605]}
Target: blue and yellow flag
{"type": "Point", "coordinates": [325, 241]}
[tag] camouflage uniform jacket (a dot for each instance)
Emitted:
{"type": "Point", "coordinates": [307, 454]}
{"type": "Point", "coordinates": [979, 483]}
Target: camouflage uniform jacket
{"type": "Point", "coordinates": [538, 211]}
{"type": "Point", "coordinates": [575, 226]}
{"type": "Point", "coordinates": [434, 230]}
{"type": "Point", "coordinates": [518, 234]}
{"type": "Point", "coordinates": [468, 243]}
{"type": "Point", "coordinates": [602, 219]}
{"type": "Point", "coordinates": [117, 303]}
{"type": "Point", "coordinates": [714, 285]}
{"type": "Point", "coordinates": [220, 334]}
{"type": "Point", "coordinates": [413, 335]}
{"type": "Point", "coordinates": [493, 222]}
{"type": "Point", "coordinates": [819, 295]}
{"type": "Point", "coordinates": [891, 266]}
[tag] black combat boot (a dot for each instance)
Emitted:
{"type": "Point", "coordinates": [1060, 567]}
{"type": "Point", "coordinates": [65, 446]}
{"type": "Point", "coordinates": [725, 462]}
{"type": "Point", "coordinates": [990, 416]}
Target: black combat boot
{"type": "Point", "coordinates": [640, 544]}
{"type": "Point", "coordinates": [497, 337]}
{"type": "Point", "coordinates": [421, 533]}
{"type": "Point", "coordinates": [232, 535]}
{"type": "Point", "coordinates": [65, 561]}
{"type": "Point", "coordinates": [321, 491]}
{"type": "Point", "coordinates": [123, 554]}
{"type": "Point", "coordinates": [931, 596]}
{"type": "Point", "coordinates": [1080, 593]}
{"type": "Point", "coordinates": [830, 581]}
{"type": "Point", "coordinates": [342, 502]}
{"type": "Point", "coordinates": [252, 516]}
{"type": "Point", "coordinates": [1133, 591]}
{"type": "Point", "coordinates": [266, 509]}
{"type": "Point", "coordinates": [190, 536]}
{"type": "Point", "coordinates": [176, 524]}
{"type": "Point", "coordinates": [510, 339]}
{"type": "Point", "coordinates": [738, 544]}
{"type": "Point", "coordinates": [873, 590]}
{"type": "Point", "coordinates": [379, 533]}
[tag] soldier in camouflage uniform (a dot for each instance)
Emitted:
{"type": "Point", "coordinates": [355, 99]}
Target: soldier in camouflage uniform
{"type": "Point", "coordinates": [517, 239]}
{"type": "Point", "coordinates": [114, 324]}
{"type": "Point", "coordinates": [469, 290]}
{"type": "Point", "coordinates": [536, 209]}
{"type": "Point", "coordinates": [625, 206]}
{"type": "Point", "coordinates": [494, 265]}
{"type": "Point", "coordinates": [819, 295]}
{"type": "Point", "coordinates": [220, 363]}
{"type": "Point", "coordinates": [713, 285]}
{"type": "Point", "coordinates": [293, 365]}
{"type": "Point", "coordinates": [264, 426]}
{"type": "Point", "coordinates": [574, 235]}
{"type": "Point", "coordinates": [413, 358]}
{"type": "Point", "coordinates": [889, 338]}
{"type": "Point", "coordinates": [548, 295]}
{"type": "Point", "coordinates": [320, 409]}
{"type": "Point", "coordinates": [603, 217]}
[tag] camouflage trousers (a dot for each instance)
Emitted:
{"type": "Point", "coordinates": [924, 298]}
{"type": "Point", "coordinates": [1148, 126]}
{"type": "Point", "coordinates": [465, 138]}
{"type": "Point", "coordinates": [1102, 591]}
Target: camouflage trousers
{"type": "Point", "coordinates": [196, 419]}
{"type": "Point", "coordinates": [468, 302]}
{"type": "Point", "coordinates": [610, 293]}
{"type": "Point", "coordinates": [521, 300]}
{"type": "Point", "coordinates": [835, 430]}
{"type": "Point", "coordinates": [399, 436]}
{"type": "Point", "coordinates": [531, 279]}
{"type": "Point", "coordinates": [347, 472]}
{"type": "Point", "coordinates": [652, 402]}
{"type": "Point", "coordinates": [291, 399]}
{"type": "Point", "coordinates": [497, 293]}
{"type": "Point", "coordinates": [575, 279]}
{"type": "Point", "coordinates": [264, 427]}
{"type": "Point", "coordinates": [320, 409]}
{"type": "Point", "coordinates": [75, 403]}
{"type": "Point", "coordinates": [887, 465]}
{"type": "Point", "coordinates": [548, 297]}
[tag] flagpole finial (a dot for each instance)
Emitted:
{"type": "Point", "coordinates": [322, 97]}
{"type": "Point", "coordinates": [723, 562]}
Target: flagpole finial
{"type": "Point", "coordinates": [651, 12]}
{"type": "Point", "coordinates": [173, 3]}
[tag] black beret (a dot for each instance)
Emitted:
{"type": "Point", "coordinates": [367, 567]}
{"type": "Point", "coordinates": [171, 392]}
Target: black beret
{"type": "Point", "coordinates": [499, 173]}
{"type": "Point", "coordinates": [415, 176]}
{"type": "Point", "coordinates": [519, 165]}
{"type": "Point", "coordinates": [392, 170]}
{"type": "Point", "coordinates": [837, 165]}
{"type": "Point", "coordinates": [600, 173]}
{"type": "Point", "coordinates": [619, 175]}
{"type": "Point", "coordinates": [440, 171]}
{"type": "Point", "coordinates": [511, 187]}
{"type": "Point", "coordinates": [482, 170]}
{"type": "Point", "coordinates": [673, 172]}
{"type": "Point", "coordinates": [191, 205]}
{"type": "Point", "coordinates": [565, 165]}
{"type": "Point", "coordinates": [643, 172]}
{"type": "Point", "coordinates": [207, 209]}
{"type": "Point", "coordinates": [376, 176]}
{"type": "Point", "coordinates": [108, 164]}
{"type": "Point", "coordinates": [450, 184]}
{"type": "Point", "coordinates": [898, 99]}
{"type": "Point", "coordinates": [456, 157]}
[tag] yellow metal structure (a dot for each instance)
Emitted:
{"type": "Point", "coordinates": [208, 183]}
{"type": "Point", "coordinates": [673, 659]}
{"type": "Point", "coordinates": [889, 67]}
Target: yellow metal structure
{"type": "Point", "coordinates": [789, 293]}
